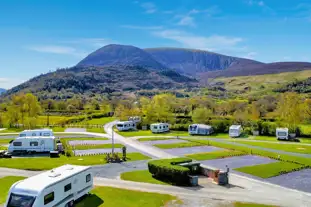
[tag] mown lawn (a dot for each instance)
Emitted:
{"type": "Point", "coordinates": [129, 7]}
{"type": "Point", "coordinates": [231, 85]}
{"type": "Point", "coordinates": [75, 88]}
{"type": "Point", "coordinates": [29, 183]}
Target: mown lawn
{"type": "Point", "coordinates": [141, 176]}
{"type": "Point", "coordinates": [287, 147]}
{"type": "Point", "coordinates": [215, 155]}
{"type": "Point", "coordinates": [240, 204]}
{"type": "Point", "coordinates": [11, 130]}
{"type": "Point", "coordinates": [116, 197]}
{"type": "Point", "coordinates": [100, 121]}
{"type": "Point", "coordinates": [6, 183]}
{"type": "Point", "coordinates": [46, 163]}
{"type": "Point", "coordinates": [96, 130]}
{"type": "Point", "coordinates": [149, 133]}
{"type": "Point", "coordinates": [270, 138]}
{"type": "Point", "coordinates": [97, 146]}
{"type": "Point", "coordinates": [270, 169]}
{"type": "Point", "coordinates": [5, 141]}
{"type": "Point", "coordinates": [83, 138]}
{"type": "Point", "coordinates": [178, 145]}
{"type": "Point", "coordinates": [153, 139]}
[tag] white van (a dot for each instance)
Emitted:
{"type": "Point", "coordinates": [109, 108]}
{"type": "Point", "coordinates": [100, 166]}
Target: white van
{"type": "Point", "coordinates": [34, 141]}
{"type": "Point", "coordinates": [282, 133]}
{"type": "Point", "coordinates": [200, 129]}
{"type": "Point", "coordinates": [59, 187]}
{"type": "Point", "coordinates": [126, 125]}
{"type": "Point", "coordinates": [159, 127]}
{"type": "Point", "coordinates": [235, 130]}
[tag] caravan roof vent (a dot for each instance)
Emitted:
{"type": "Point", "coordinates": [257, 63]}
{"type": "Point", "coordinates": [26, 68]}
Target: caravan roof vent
{"type": "Point", "coordinates": [70, 168]}
{"type": "Point", "coordinates": [54, 175]}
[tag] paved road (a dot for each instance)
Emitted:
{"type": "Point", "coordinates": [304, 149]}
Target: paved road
{"type": "Point", "coordinates": [273, 196]}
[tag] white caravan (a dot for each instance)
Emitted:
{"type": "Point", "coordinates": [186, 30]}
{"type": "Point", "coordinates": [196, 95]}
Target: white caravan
{"type": "Point", "coordinates": [282, 133]}
{"type": "Point", "coordinates": [200, 129]}
{"type": "Point", "coordinates": [235, 130]}
{"type": "Point", "coordinates": [135, 119]}
{"type": "Point", "coordinates": [58, 187]}
{"type": "Point", "coordinates": [159, 127]}
{"type": "Point", "coordinates": [34, 141]}
{"type": "Point", "coordinates": [126, 125]}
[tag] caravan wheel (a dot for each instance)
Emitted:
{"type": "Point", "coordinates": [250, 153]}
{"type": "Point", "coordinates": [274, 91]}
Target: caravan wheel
{"type": "Point", "coordinates": [70, 204]}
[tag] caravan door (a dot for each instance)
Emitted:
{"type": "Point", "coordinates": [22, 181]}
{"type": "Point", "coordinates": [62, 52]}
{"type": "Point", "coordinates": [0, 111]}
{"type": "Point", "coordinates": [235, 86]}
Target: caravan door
{"type": "Point", "coordinates": [42, 145]}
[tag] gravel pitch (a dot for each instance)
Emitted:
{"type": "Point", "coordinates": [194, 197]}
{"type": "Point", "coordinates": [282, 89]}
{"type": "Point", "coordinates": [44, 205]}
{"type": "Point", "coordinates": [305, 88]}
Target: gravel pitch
{"type": "Point", "coordinates": [236, 162]}
{"type": "Point", "coordinates": [89, 142]}
{"type": "Point", "coordinates": [191, 150]}
{"type": "Point", "coordinates": [75, 130]}
{"type": "Point", "coordinates": [101, 151]}
{"type": "Point", "coordinates": [168, 141]}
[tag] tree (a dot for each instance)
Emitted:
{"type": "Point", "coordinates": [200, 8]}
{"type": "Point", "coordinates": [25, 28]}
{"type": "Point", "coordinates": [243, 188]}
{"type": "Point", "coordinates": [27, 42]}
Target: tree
{"type": "Point", "coordinates": [201, 115]}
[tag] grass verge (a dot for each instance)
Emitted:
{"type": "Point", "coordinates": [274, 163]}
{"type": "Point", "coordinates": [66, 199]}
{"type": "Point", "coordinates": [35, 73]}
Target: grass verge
{"type": "Point", "coordinates": [11, 130]}
{"type": "Point", "coordinates": [82, 139]}
{"type": "Point", "coordinates": [6, 183]}
{"type": "Point", "coordinates": [96, 130]}
{"type": "Point", "coordinates": [240, 204]}
{"type": "Point", "coordinates": [116, 197]}
{"type": "Point", "coordinates": [215, 155]}
{"type": "Point", "coordinates": [97, 146]}
{"type": "Point", "coordinates": [270, 169]}
{"type": "Point", "coordinates": [46, 163]}
{"type": "Point", "coordinates": [153, 139]}
{"type": "Point", "coordinates": [141, 176]}
{"type": "Point", "coordinates": [178, 145]}
{"type": "Point", "coordinates": [149, 133]}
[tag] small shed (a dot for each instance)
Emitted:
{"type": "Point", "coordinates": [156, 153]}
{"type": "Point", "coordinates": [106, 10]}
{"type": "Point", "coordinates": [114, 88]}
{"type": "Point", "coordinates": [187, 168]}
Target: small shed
{"type": "Point", "coordinates": [235, 130]}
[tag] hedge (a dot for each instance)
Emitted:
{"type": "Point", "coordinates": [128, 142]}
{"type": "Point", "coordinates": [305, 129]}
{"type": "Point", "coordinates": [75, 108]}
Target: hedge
{"type": "Point", "coordinates": [67, 148]}
{"type": "Point", "coordinates": [169, 170]}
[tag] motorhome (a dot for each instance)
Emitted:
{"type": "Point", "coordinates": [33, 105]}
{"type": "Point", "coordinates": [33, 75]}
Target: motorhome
{"type": "Point", "coordinates": [159, 127]}
{"type": "Point", "coordinates": [282, 133]}
{"type": "Point", "coordinates": [34, 141]}
{"type": "Point", "coordinates": [235, 130]}
{"type": "Point", "coordinates": [59, 187]}
{"type": "Point", "coordinates": [126, 125]}
{"type": "Point", "coordinates": [200, 129]}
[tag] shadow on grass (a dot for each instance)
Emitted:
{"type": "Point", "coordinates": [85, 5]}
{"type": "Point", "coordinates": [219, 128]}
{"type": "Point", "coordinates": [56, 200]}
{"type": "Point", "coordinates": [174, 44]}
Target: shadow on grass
{"type": "Point", "coordinates": [91, 200]}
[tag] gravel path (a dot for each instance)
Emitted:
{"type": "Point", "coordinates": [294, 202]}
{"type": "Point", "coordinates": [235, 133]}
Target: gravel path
{"type": "Point", "coordinates": [101, 151]}
{"type": "Point", "coordinates": [75, 130]}
{"type": "Point", "coordinates": [89, 142]}
{"type": "Point", "coordinates": [238, 161]}
{"type": "Point", "coordinates": [169, 141]}
{"type": "Point", "coordinates": [191, 150]}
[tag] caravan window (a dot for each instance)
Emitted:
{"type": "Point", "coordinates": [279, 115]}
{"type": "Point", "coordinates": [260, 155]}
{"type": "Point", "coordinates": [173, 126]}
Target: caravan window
{"type": "Point", "coordinates": [46, 134]}
{"type": "Point", "coordinates": [282, 134]}
{"type": "Point", "coordinates": [119, 125]}
{"type": "Point", "coordinates": [34, 144]}
{"type": "Point", "coordinates": [48, 198]}
{"type": "Point", "coordinates": [17, 144]}
{"type": "Point", "coordinates": [17, 200]}
{"type": "Point", "coordinates": [22, 135]}
{"type": "Point", "coordinates": [67, 187]}
{"type": "Point", "coordinates": [34, 134]}
{"type": "Point", "coordinates": [155, 127]}
{"type": "Point", "coordinates": [88, 178]}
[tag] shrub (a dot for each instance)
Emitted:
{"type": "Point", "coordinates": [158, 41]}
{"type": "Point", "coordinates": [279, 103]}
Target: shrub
{"type": "Point", "coordinates": [180, 127]}
{"type": "Point", "coordinates": [169, 170]}
{"type": "Point", "coordinates": [267, 128]}
{"type": "Point", "coordinates": [67, 148]}
{"type": "Point", "coordinates": [221, 126]}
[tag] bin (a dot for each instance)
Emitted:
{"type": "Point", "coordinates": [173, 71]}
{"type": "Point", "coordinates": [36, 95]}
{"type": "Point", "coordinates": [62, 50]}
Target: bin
{"type": "Point", "coordinates": [194, 180]}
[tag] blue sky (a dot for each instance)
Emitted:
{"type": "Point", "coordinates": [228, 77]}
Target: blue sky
{"type": "Point", "coordinates": [37, 36]}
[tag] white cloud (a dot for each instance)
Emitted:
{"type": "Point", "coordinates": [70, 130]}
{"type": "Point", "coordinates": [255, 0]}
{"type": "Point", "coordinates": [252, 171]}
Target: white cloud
{"type": "Point", "coordinates": [56, 49]}
{"type": "Point", "coordinates": [142, 27]}
{"type": "Point", "coordinates": [8, 83]}
{"type": "Point", "coordinates": [186, 21]}
{"type": "Point", "coordinates": [91, 42]}
{"type": "Point", "coordinates": [261, 3]}
{"type": "Point", "coordinates": [149, 7]}
{"type": "Point", "coordinates": [213, 43]}
{"type": "Point", "coordinates": [250, 55]}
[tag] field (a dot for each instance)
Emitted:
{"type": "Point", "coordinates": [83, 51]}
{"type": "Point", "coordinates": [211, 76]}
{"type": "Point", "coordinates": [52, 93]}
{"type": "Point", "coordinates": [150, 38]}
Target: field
{"type": "Point", "coordinates": [178, 145]}
{"type": "Point", "coordinates": [11, 130]}
{"type": "Point", "coordinates": [6, 183]}
{"type": "Point", "coordinates": [215, 155]}
{"type": "Point", "coordinates": [99, 121]}
{"type": "Point", "coordinates": [46, 163]}
{"type": "Point", "coordinates": [141, 176]}
{"type": "Point", "coordinates": [269, 138]}
{"type": "Point", "coordinates": [149, 133]}
{"type": "Point", "coordinates": [5, 141]}
{"type": "Point", "coordinates": [270, 169]}
{"type": "Point", "coordinates": [239, 204]}
{"type": "Point", "coordinates": [116, 197]}
{"type": "Point", "coordinates": [97, 146]}
{"type": "Point", "coordinates": [287, 147]}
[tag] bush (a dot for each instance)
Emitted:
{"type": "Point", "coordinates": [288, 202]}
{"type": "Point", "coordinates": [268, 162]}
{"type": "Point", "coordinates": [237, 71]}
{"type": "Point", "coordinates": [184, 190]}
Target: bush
{"type": "Point", "coordinates": [221, 126]}
{"type": "Point", "coordinates": [67, 148]}
{"type": "Point", "coordinates": [169, 170]}
{"type": "Point", "coordinates": [267, 128]}
{"type": "Point", "coordinates": [179, 127]}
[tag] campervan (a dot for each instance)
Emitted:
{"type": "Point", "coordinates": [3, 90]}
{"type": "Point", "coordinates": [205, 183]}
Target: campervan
{"type": "Point", "coordinates": [235, 130]}
{"type": "Point", "coordinates": [200, 129]}
{"type": "Point", "coordinates": [126, 125]}
{"type": "Point", "coordinates": [282, 133]}
{"type": "Point", "coordinates": [34, 141]}
{"type": "Point", "coordinates": [59, 187]}
{"type": "Point", "coordinates": [159, 127]}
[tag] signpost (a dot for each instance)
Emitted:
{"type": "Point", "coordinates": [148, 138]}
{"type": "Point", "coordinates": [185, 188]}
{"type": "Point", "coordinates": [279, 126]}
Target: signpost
{"type": "Point", "coordinates": [112, 139]}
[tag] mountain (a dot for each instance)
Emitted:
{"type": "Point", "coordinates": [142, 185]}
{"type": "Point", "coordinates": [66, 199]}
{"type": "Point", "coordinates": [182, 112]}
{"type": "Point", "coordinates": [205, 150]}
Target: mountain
{"type": "Point", "coordinates": [121, 55]}
{"type": "Point", "coordinates": [192, 62]}
{"type": "Point", "coordinates": [261, 69]}
{"type": "Point", "coordinates": [90, 80]}
{"type": "Point", "coordinates": [2, 90]}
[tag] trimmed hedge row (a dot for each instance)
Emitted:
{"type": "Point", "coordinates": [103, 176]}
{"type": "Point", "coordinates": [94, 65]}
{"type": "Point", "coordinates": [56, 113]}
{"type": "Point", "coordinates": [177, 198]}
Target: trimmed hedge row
{"type": "Point", "coordinates": [169, 170]}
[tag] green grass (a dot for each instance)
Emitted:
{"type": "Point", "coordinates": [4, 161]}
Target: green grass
{"type": "Point", "coordinates": [220, 135]}
{"type": "Point", "coordinates": [271, 138]}
{"type": "Point", "coordinates": [149, 133]}
{"type": "Point", "coordinates": [101, 121]}
{"type": "Point", "coordinates": [96, 130]}
{"type": "Point", "coordinates": [297, 148]}
{"type": "Point", "coordinates": [11, 130]}
{"type": "Point", "coordinates": [97, 146]}
{"type": "Point", "coordinates": [6, 183]}
{"type": "Point", "coordinates": [153, 139]}
{"type": "Point", "coordinates": [270, 169]}
{"type": "Point", "coordinates": [141, 176]}
{"type": "Point", "coordinates": [178, 145]}
{"type": "Point", "coordinates": [5, 141]}
{"type": "Point", "coordinates": [240, 204]}
{"type": "Point", "coordinates": [83, 138]}
{"type": "Point", "coordinates": [46, 163]}
{"type": "Point", "coordinates": [116, 197]}
{"type": "Point", "coordinates": [215, 155]}
{"type": "Point", "coordinates": [42, 120]}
